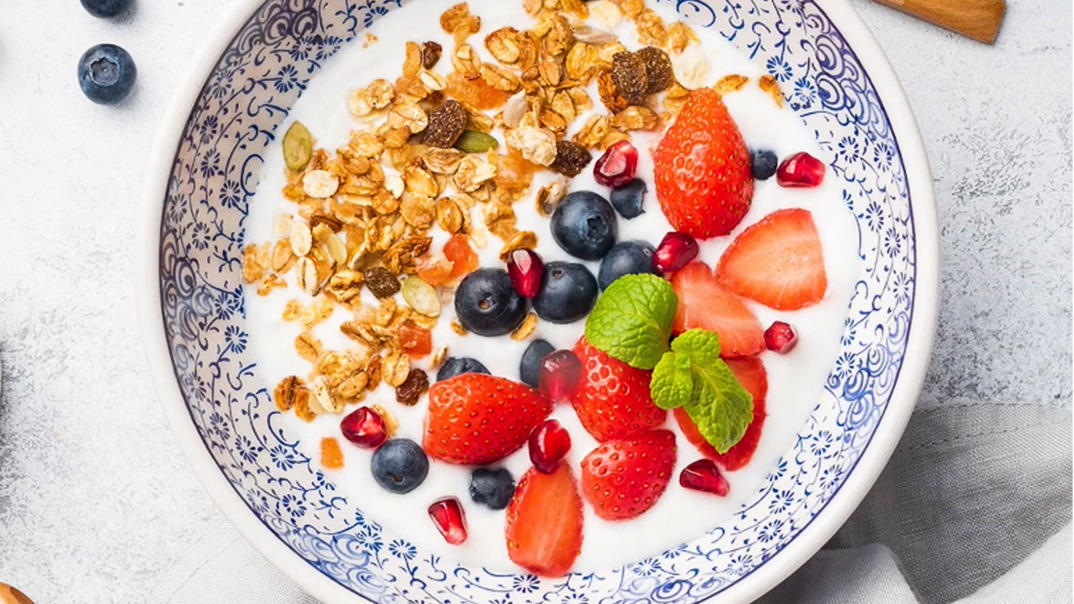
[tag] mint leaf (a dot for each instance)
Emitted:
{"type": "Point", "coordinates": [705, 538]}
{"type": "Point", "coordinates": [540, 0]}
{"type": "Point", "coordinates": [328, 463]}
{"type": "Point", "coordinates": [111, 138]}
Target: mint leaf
{"type": "Point", "coordinates": [632, 320]}
{"type": "Point", "coordinates": [714, 400]}
{"type": "Point", "coordinates": [672, 384]}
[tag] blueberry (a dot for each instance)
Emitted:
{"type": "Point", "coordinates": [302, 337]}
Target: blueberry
{"type": "Point", "coordinates": [459, 365]}
{"type": "Point", "coordinates": [400, 465]}
{"type": "Point", "coordinates": [106, 74]}
{"type": "Point", "coordinates": [626, 258]}
{"type": "Point", "coordinates": [487, 303]}
{"type": "Point", "coordinates": [763, 163]}
{"type": "Point", "coordinates": [530, 368]}
{"type": "Point", "coordinates": [584, 225]}
{"type": "Point", "coordinates": [106, 8]}
{"type": "Point", "coordinates": [568, 292]}
{"type": "Point", "coordinates": [627, 198]}
{"type": "Point", "coordinates": [492, 488]}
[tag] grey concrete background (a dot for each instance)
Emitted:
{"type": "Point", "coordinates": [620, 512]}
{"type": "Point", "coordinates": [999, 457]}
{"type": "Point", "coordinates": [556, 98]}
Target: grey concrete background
{"type": "Point", "coordinates": [95, 497]}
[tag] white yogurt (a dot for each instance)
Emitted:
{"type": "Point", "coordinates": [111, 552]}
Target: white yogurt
{"type": "Point", "coordinates": [795, 380]}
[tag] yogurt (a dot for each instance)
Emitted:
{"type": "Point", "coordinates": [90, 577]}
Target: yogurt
{"type": "Point", "coordinates": [796, 380]}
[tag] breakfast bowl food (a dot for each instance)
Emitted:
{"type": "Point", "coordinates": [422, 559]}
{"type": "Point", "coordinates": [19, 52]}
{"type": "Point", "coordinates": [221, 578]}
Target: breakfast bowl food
{"type": "Point", "coordinates": [539, 301]}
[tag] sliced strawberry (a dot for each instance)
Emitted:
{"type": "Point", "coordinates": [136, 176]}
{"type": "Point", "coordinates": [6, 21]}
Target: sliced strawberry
{"type": "Point", "coordinates": [623, 478]}
{"type": "Point", "coordinates": [544, 522]}
{"type": "Point", "coordinates": [777, 261]}
{"type": "Point", "coordinates": [612, 400]}
{"type": "Point", "coordinates": [751, 374]}
{"type": "Point", "coordinates": [702, 169]}
{"type": "Point", "coordinates": [476, 418]}
{"type": "Point", "coordinates": [706, 304]}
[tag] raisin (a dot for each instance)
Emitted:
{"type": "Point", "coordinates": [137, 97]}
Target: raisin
{"type": "Point", "coordinates": [382, 283]}
{"type": "Point", "coordinates": [430, 54]}
{"type": "Point", "coordinates": [608, 93]}
{"type": "Point", "coordinates": [446, 123]}
{"type": "Point", "coordinates": [628, 75]}
{"type": "Point", "coordinates": [658, 69]}
{"type": "Point", "coordinates": [416, 384]}
{"type": "Point", "coordinates": [571, 158]}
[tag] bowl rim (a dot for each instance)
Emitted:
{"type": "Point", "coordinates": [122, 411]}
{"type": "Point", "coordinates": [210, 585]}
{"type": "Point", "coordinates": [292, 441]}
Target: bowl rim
{"type": "Point", "coordinates": [799, 550]}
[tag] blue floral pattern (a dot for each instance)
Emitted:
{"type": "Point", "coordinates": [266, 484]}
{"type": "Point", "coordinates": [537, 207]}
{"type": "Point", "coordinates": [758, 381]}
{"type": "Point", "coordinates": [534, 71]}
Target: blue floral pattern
{"type": "Point", "coordinates": [216, 170]}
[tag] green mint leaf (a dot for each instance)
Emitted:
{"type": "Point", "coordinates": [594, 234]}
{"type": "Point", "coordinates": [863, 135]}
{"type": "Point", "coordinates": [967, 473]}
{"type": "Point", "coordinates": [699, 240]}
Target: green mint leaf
{"type": "Point", "coordinates": [672, 384]}
{"type": "Point", "coordinates": [632, 320]}
{"type": "Point", "coordinates": [721, 407]}
{"type": "Point", "coordinates": [702, 346]}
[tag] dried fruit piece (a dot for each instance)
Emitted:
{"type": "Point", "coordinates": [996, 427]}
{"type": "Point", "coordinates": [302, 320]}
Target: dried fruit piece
{"type": "Point", "coordinates": [415, 341]}
{"type": "Point", "coordinates": [473, 141]}
{"type": "Point", "coordinates": [381, 282]}
{"type": "Point", "coordinates": [463, 257]}
{"type": "Point", "coordinates": [434, 269]}
{"type": "Point", "coordinates": [415, 384]}
{"type": "Point", "coordinates": [297, 147]}
{"type": "Point", "coordinates": [430, 54]}
{"type": "Point", "coordinates": [571, 158]}
{"type": "Point", "coordinates": [658, 70]}
{"type": "Point", "coordinates": [629, 77]}
{"type": "Point", "coordinates": [331, 455]}
{"type": "Point", "coordinates": [421, 297]}
{"type": "Point", "coordinates": [609, 94]}
{"type": "Point", "coordinates": [446, 124]}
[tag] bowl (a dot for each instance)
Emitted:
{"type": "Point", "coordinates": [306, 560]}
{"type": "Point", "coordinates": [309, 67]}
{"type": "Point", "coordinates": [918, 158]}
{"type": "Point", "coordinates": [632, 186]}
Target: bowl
{"type": "Point", "coordinates": [207, 164]}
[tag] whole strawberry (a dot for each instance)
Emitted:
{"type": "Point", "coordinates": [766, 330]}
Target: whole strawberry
{"type": "Point", "coordinates": [703, 179]}
{"type": "Point", "coordinates": [477, 419]}
{"type": "Point", "coordinates": [612, 399]}
{"type": "Point", "coordinates": [623, 478]}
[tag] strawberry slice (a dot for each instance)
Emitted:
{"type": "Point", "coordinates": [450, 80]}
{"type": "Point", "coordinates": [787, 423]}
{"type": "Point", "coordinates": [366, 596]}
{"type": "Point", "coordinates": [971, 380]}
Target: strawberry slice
{"type": "Point", "coordinates": [612, 400]}
{"type": "Point", "coordinates": [544, 522]}
{"type": "Point", "coordinates": [702, 170]}
{"type": "Point", "coordinates": [623, 478]}
{"type": "Point", "coordinates": [706, 304]}
{"type": "Point", "coordinates": [751, 374]}
{"type": "Point", "coordinates": [477, 419]}
{"type": "Point", "coordinates": [777, 261]}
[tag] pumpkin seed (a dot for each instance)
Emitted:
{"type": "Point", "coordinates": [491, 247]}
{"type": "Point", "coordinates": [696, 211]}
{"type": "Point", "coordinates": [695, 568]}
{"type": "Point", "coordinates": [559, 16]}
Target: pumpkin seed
{"type": "Point", "coordinates": [297, 146]}
{"type": "Point", "coordinates": [472, 141]}
{"type": "Point", "coordinates": [421, 297]}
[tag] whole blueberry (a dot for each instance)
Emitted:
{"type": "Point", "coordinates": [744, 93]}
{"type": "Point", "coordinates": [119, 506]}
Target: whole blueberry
{"type": "Point", "coordinates": [459, 365]}
{"type": "Point", "coordinates": [626, 258]}
{"type": "Point", "coordinates": [106, 8]}
{"type": "Point", "coordinates": [627, 199]}
{"type": "Point", "coordinates": [530, 368]}
{"type": "Point", "coordinates": [568, 292]}
{"type": "Point", "coordinates": [763, 163]}
{"type": "Point", "coordinates": [487, 304]}
{"type": "Point", "coordinates": [400, 465]}
{"type": "Point", "coordinates": [492, 488]}
{"type": "Point", "coordinates": [584, 225]}
{"type": "Point", "coordinates": [106, 74]}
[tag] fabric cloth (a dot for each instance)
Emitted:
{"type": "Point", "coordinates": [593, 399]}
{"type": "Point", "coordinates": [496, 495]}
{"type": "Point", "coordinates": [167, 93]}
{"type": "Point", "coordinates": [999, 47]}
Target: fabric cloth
{"type": "Point", "coordinates": [973, 508]}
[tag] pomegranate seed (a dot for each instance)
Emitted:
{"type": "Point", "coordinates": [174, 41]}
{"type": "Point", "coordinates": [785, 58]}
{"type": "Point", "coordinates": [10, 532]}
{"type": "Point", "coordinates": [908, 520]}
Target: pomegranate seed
{"type": "Point", "coordinates": [449, 520]}
{"type": "Point", "coordinates": [675, 251]}
{"type": "Point", "coordinates": [364, 427]}
{"type": "Point", "coordinates": [525, 268]}
{"type": "Point", "coordinates": [617, 166]}
{"type": "Point", "coordinates": [549, 442]}
{"type": "Point", "coordinates": [559, 375]}
{"type": "Point", "coordinates": [704, 476]}
{"type": "Point", "coordinates": [780, 337]}
{"type": "Point", "coordinates": [800, 170]}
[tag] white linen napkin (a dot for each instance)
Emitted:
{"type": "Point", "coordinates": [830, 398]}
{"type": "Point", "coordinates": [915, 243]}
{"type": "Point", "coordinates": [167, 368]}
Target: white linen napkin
{"type": "Point", "coordinates": [973, 508]}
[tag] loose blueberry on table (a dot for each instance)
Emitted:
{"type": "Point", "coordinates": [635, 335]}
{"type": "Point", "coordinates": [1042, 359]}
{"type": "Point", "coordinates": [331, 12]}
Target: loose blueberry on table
{"type": "Point", "coordinates": [106, 74]}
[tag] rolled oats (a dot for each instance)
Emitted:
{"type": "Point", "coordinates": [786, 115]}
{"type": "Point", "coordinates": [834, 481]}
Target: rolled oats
{"type": "Point", "coordinates": [635, 117]}
{"type": "Point", "coordinates": [407, 114]}
{"type": "Point", "coordinates": [769, 84]}
{"type": "Point", "coordinates": [418, 210]}
{"type": "Point", "coordinates": [498, 77]}
{"type": "Point", "coordinates": [282, 257]}
{"type": "Point", "coordinates": [320, 184]}
{"type": "Point", "coordinates": [521, 240]}
{"type": "Point", "coordinates": [472, 173]}
{"type": "Point", "coordinates": [288, 392]}
{"type": "Point", "coordinates": [466, 62]}
{"type": "Point", "coordinates": [535, 144]}
{"type": "Point", "coordinates": [503, 45]}
{"type": "Point", "coordinates": [308, 347]}
{"type": "Point", "coordinates": [306, 276]}
{"type": "Point", "coordinates": [691, 67]}
{"type": "Point", "coordinates": [606, 13]}
{"type": "Point", "coordinates": [394, 367]}
{"type": "Point", "coordinates": [526, 329]}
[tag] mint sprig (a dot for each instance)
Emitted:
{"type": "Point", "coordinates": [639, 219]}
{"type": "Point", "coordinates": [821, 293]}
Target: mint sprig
{"type": "Point", "coordinates": [632, 320]}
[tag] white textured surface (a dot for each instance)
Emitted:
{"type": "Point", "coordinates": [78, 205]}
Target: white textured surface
{"type": "Point", "coordinates": [95, 498]}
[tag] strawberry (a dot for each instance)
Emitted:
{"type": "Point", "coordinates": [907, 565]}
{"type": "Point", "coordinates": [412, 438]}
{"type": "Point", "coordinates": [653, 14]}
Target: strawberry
{"type": "Point", "coordinates": [777, 261]}
{"type": "Point", "coordinates": [544, 522]}
{"type": "Point", "coordinates": [612, 399]}
{"type": "Point", "coordinates": [704, 181]}
{"type": "Point", "coordinates": [706, 304]}
{"type": "Point", "coordinates": [623, 478]}
{"type": "Point", "coordinates": [477, 419]}
{"type": "Point", "coordinates": [751, 374]}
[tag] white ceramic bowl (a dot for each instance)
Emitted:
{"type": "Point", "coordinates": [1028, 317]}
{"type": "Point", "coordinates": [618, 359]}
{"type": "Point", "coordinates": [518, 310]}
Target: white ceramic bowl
{"type": "Point", "coordinates": [207, 165]}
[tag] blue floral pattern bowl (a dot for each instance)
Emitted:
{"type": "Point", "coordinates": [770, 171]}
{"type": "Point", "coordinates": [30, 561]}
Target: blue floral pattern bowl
{"type": "Point", "coordinates": [208, 166]}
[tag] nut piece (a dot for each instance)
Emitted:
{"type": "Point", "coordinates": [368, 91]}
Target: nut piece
{"type": "Point", "coordinates": [301, 239]}
{"type": "Point", "coordinates": [446, 123]}
{"type": "Point", "coordinates": [549, 196]}
{"type": "Point", "coordinates": [572, 158]}
{"type": "Point", "coordinates": [381, 282]}
{"type": "Point", "coordinates": [320, 184]}
{"type": "Point", "coordinates": [409, 392]}
{"type": "Point", "coordinates": [306, 276]}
